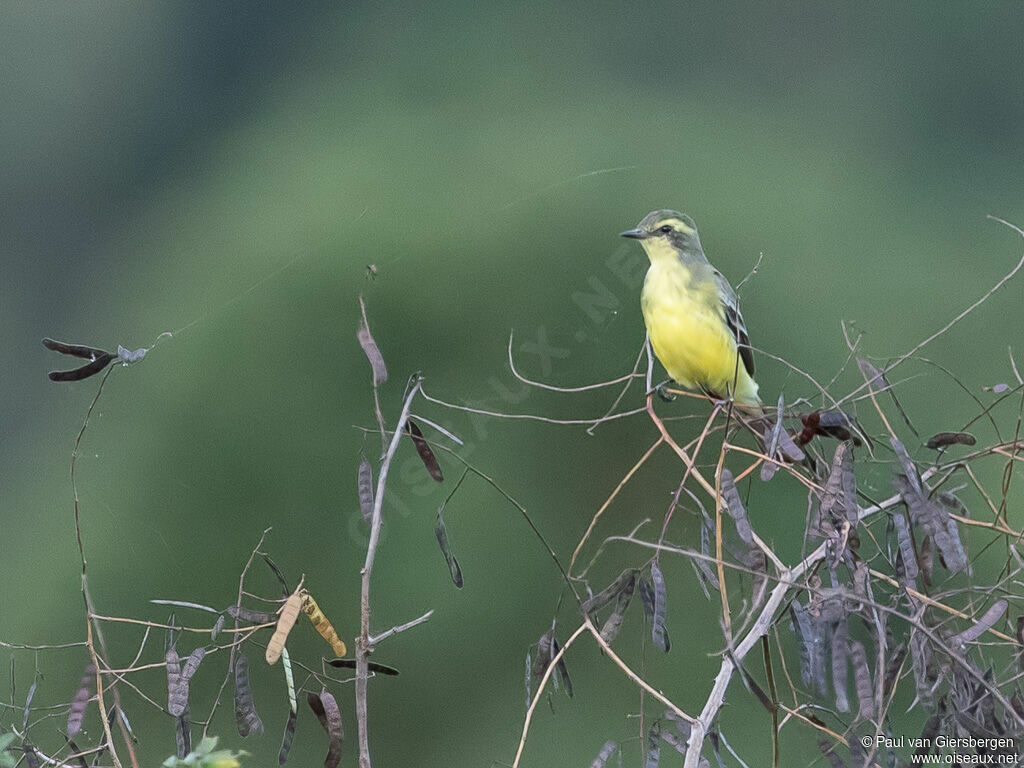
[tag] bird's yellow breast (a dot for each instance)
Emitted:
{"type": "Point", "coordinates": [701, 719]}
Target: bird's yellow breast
{"type": "Point", "coordinates": [683, 314]}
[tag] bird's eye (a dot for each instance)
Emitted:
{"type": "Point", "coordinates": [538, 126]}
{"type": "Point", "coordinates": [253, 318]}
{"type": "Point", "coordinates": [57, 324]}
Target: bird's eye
{"type": "Point", "coordinates": [666, 229]}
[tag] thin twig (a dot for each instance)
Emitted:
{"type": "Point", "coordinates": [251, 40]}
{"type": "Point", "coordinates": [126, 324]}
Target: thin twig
{"type": "Point", "coordinates": [91, 626]}
{"type": "Point", "coordinates": [644, 350]}
{"type": "Point", "coordinates": [552, 388]}
{"type": "Point", "coordinates": [631, 674]}
{"type": "Point", "coordinates": [761, 625]}
{"type": "Point", "coordinates": [527, 416]}
{"type": "Point", "coordinates": [1002, 281]}
{"type": "Point", "coordinates": [377, 639]}
{"type": "Point", "coordinates": [363, 646]}
{"type": "Point", "coordinates": [607, 502]}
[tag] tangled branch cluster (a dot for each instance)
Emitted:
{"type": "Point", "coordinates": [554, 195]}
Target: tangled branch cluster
{"type": "Point", "coordinates": [903, 590]}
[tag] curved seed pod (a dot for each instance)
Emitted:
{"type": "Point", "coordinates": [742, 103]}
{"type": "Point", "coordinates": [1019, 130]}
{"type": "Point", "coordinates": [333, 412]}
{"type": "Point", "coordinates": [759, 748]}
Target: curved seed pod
{"type": "Point", "coordinates": [893, 669]}
{"type": "Point", "coordinates": [277, 573]}
{"type": "Point", "coordinates": [75, 350]}
{"type": "Point", "coordinates": [82, 696]}
{"type": "Point", "coordinates": [454, 569]}
{"type": "Point", "coordinates": [839, 499]}
{"type": "Point", "coordinates": [659, 632]}
{"type": "Point", "coordinates": [906, 545]}
{"type": "Point", "coordinates": [285, 622]}
{"type": "Point", "coordinates": [982, 625]}
{"type": "Point", "coordinates": [288, 679]}
{"type": "Point", "coordinates": [734, 506]}
{"type": "Point", "coordinates": [811, 643]}
{"type": "Point", "coordinates": [289, 737]}
{"type": "Point", "coordinates": [178, 682]}
{"type": "Point", "coordinates": [646, 597]}
{"type": "Point", "coordinates": [423, 449]}
{"type": "Point", "coordinates": [31, 756]}
{"type": "Point", "coordinates": [943, 439]}
{"type": "Point", "coordinates": [326, 710]}
{"type": "Point", "coordinates": [247, 614]}
{"type": "Point", "coordinates": [322, 625]}
{"type": "Point", "coordinates": [183, 735]}
{"type": "Point", "coordinates": [929, 514]}
{"type": "Point", "coordinates": [594, 604]}
{"type": "Point", "coordinates": [653, 745]}
{"type": "Point", "coordinates": [702, 566]}
{"type": "Point", "coordinates": [192, 663]}
{"type": "Point", "coordinates": [862, 679]}
{"type": "Point", "coordinates": [185, 604]}
{"type": "Point", "coordinates": [840, 654]}
{"type": "Point", "coordinates": [547, 648]}
{"type": "Point", "coordinates": [364, 484]}
{"type": "Point", "coordinates": [89, 369]}
{"type": "Point", "coordinates": [217, 627]}
{"type": "Point", "coordinates": [604, 755]}
{"type": "Point", "coordinates": [369, 345]}
{"type": "Point", "coordinates": [77, 752]}
{"type": "Point", "coordinates": [247, 720]}
{"type": "Point", "coordinates": [28, 705]}
{"type": "Point", "coordinates": [790, 450]}
{"type": "Point", "coordinates": [613, 623]}
{"type": "Point", "coordinates": [372, 666]}
{"type": "Point", "coordinates": [828, 749]}
{"type": "Point", "coordinates": [528, 677]}
{"type": "Point", "coordinates": [177, 686]}
{"type": "Point", "coordinates": [772, 435]}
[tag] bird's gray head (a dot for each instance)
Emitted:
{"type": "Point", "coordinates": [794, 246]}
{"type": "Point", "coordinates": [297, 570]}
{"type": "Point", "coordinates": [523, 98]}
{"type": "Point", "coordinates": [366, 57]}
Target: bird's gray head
{"type": "Point", "coordinates": [672, 227]}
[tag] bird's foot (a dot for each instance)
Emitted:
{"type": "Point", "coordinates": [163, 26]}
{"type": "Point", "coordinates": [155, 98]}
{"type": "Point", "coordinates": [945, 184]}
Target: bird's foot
{"type": "Point", "coordinates": [662, 390]}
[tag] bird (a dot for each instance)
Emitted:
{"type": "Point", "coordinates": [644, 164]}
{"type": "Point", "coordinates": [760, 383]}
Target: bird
{"type": "Point", "coordinates": [692, 314]}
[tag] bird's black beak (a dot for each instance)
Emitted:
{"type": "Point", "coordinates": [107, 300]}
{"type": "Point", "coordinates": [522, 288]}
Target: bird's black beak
{"type": "Point", "coordinates": [635, 234]}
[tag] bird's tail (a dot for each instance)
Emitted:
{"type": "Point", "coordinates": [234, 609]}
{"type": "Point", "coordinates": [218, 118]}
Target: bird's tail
{"type": "Point", "coordinates": [745, 395]}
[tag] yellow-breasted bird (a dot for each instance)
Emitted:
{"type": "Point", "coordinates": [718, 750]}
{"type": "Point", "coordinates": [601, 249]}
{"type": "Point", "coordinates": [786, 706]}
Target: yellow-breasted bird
{"type": "Point", "coordinates": [691, 312]}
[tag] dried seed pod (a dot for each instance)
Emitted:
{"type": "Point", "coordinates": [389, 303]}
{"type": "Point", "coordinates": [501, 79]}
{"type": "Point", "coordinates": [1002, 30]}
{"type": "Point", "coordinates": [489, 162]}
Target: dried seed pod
{"type": "Point", "coordinates": [285, 622]}
{"type": "Point", "coordinates": [944, 439]}
{"type": "Point", "coordinates": [659, 632]}
{"type": "Point", "coordinates": [288, 738]}
{"type": "Point", "coordinates": [441, 532]}
{"type": "Point", "coordinates": [364, 484]}
{"type": "Point", "coordinates": [320, 622]}
{"type": "Point", "coordinates": [247, 614]}
{"type": "Point", "coordinates": [247, 720]}
{"type": "Point", "coordinates": [423, 449]}
{"type": "Point", "coordinates": [326, 710]}
{"type": "Point", "coordinates": [369, 345]}
{"type": "Point", "coordinates": [604, 755]}
{"type": "Point", "coordinates": [81, 700]}
{"type": "Point", "coordinates": [177, 687]}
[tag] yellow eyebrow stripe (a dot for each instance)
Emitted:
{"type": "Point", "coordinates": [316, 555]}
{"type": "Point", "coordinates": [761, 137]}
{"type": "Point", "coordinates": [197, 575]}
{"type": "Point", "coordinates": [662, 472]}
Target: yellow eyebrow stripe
{"type": "Point", "coordinates": [676, 224]}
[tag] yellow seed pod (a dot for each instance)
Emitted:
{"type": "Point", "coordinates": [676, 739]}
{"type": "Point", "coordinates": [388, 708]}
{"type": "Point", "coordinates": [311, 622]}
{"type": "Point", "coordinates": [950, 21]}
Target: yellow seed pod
{"type": "Point", "coordinates": [323, 626]}
{"type": "Point", "coordinates": [285, 622]}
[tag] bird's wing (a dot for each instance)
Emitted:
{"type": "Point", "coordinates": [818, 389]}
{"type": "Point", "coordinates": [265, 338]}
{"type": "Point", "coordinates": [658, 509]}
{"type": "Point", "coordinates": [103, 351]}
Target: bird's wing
{"type": "Point", "coordinates": [734, 319]}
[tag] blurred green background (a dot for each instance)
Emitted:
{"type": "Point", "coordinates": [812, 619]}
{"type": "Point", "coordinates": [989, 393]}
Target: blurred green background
{"type": "Point", "coordinates": [228, 171]}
